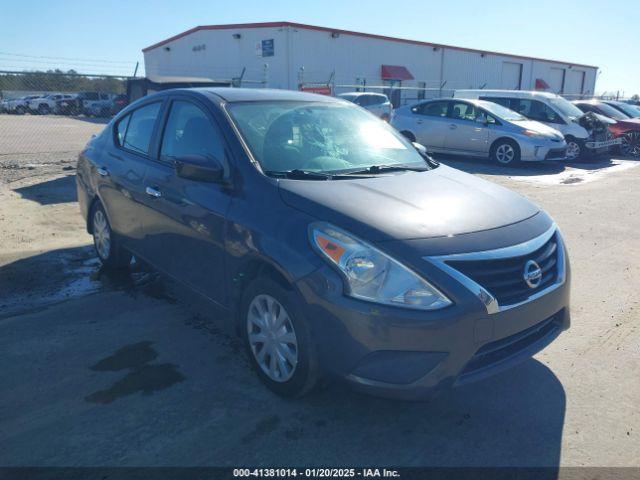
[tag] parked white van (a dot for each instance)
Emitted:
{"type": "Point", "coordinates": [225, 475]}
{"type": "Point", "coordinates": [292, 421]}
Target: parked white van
{"type": "Point", "coordinates": [552, 110]}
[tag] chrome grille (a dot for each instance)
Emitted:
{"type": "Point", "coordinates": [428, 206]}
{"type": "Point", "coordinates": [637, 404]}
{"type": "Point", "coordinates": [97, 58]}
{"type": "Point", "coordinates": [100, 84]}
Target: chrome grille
{"type": "Point", "coordinates": [504, 277]}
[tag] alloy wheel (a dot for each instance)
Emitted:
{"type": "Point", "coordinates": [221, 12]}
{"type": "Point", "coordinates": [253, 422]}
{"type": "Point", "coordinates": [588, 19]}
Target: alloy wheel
{"type": "Point", "coordinates": [272, 338]}
{"type": "Point", "coordinates": [573, 150]}
{"type": "Point", "coordinates": [101, 234]}
{"type": "Point", "coordinates": [631, 144]}
{"type": "Point", "coordinates": [505, 153]}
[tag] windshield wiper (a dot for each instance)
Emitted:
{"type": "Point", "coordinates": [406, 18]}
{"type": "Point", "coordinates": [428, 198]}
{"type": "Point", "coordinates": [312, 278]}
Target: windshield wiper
{"type": "Point", "coordinates": [298, 174]}
{"type": "Point", "coordinates": [375, 169]}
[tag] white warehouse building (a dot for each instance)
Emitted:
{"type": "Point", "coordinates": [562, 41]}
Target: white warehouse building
{"type": "Point", "coordinates": [296, 56]}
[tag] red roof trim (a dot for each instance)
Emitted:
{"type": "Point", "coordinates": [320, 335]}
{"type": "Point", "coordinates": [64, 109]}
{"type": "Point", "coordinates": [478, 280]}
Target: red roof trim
{"type": "Point", "coordinates": [350, 32]}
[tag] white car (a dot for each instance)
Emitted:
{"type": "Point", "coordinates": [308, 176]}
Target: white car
{"type": "Point", "coordinates": [47, 104]}
{"type": "Point", "coordinates": [550, 109]}
{"type": "Point", "coordinates": [20, 106]}
{"type": "Point", "coordinates": [376, 103]}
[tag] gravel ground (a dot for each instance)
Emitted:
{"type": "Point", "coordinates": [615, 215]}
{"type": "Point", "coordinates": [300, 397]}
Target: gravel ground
{"type": "Point", "coordinates": [129, 370]}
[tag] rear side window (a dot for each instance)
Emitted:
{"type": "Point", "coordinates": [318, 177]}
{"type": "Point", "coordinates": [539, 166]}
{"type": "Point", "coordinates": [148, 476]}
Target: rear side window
{"type": "Point", "coordinates": [536, 110]}
{"type": "Point", "coordinates": [134, 131]}
{"type": "Point", "coordinates": [433, 109]}
{"type": "Point", "coordinates": [190, 132]}
{"type": "Point", "coordinates": [505, 102]}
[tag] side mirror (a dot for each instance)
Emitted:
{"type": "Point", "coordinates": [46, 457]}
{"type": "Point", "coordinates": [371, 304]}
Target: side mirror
{"type": "Point", "coordinates": [420, 148]}
{"type": "Point", "coordinates": [201, 168]}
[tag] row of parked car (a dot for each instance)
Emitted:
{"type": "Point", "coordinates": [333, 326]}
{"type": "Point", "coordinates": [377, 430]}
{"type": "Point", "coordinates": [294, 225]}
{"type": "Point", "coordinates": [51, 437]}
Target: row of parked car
{"type": "Point", "coordinates": [513, 126]}
{"type": "Point", "coordinates": [98, 104]}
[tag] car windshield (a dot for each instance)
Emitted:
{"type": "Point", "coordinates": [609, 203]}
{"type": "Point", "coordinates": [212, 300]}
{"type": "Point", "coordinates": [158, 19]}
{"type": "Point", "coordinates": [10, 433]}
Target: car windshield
{"type": "Point", "coordinates": [319, 137]}
{"type": "Point", "coordinates": [609, 111]}
{"type": "Point", "coordinates": [566, 108]}
{"type": "Point", "coordinates": [502, 112]}
{"type": "Point", "coordinates": [628, 109]}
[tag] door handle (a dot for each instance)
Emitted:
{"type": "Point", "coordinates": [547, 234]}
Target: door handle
{"type": "Point", "coordinates": [153, 192]}
{"type": "Point", "coordinates": [103, 172]}
{"type": "Point", "coordinates": [453, 126]}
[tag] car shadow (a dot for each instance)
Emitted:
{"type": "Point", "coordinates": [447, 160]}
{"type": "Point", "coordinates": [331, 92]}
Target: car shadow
{"type": "Point", "coordinates": [58, 190]}
{"type": "Point", "coordinates": [485, 167]}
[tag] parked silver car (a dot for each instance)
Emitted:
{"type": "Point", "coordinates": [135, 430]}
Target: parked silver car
{"type": "Point", "coordinates": [376, 103]}
{"type": "Point", "coordinates": [478, 128]}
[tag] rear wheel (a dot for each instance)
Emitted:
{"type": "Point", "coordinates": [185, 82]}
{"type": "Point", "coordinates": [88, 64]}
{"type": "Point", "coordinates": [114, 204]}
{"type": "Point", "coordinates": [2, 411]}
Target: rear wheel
{"type": "Point", "coordinates": [505, 152]}
{"type": "Point", "coordinates": [278, 339]}
{"type": "Point", "coordinates": [20, 110]}
{"type": "Point", "coordinates": [107, 246]}
{"type": "Point", "coordinates": [44, 109]}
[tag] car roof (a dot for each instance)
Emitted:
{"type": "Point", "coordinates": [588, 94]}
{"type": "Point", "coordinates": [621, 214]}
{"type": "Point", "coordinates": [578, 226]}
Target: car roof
{"type": "Point", "coordinates": [231, 95]}
{"type": "Point", "coordinates": [359, 94]}
{"type": "Point", "coordinates": [507, 93]}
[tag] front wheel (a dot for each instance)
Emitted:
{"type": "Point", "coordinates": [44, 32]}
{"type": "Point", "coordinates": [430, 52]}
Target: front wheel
{"type": "Point", "coordinates": [631, 144]}
{"type": "Point", "coordinates": [44, 109]}
{"type": "Point", "coordinates": [278, 339]}
{"type": "Point", "coordinates": [574, 149]}
{"type": "Point", "coordinates": [107, 246]}
{"type": "Point", "coordinates": [505, 152]}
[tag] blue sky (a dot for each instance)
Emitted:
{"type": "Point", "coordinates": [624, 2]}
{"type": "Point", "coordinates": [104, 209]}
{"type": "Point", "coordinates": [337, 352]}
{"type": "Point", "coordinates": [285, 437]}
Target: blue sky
{"type": "Point", "coordinates": [107, 37]}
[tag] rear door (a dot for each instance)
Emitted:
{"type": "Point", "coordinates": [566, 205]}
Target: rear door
{"type": "Point", "coordinates": [121, 171]}
{"type": "Point", "coordinates": [464, 134]}
{"type": "Point", "coordinates": [431, 123]}
{"type": "Point", "coordinates": [185, 222]}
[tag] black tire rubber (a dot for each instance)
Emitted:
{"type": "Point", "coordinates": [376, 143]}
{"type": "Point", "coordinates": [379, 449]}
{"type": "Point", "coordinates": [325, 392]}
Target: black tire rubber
{"type": "Point", "coordinates": [408, 135]}
{"type": "Point", "coordinates": [118, 258]}
{"type": "Point", "coordinates": [20, 110]}
{"type": "Point", "coordinates": [307, 373]}
{"type": "Point", "coordinates": [44, 109]}
{"type": "Point", "coordinates": [514, 145]}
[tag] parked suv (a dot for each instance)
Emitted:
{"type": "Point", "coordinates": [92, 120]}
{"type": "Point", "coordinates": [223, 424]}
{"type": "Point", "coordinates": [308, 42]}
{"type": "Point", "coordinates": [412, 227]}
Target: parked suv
{"type": "Point", "coordinates": [480, 129]}
{"type": "Point", "coordinates": [336, 247]}
{"type": "Point", "coordinates": [376, 103]}
{"type": "Point", "coordinates": [583, 135]}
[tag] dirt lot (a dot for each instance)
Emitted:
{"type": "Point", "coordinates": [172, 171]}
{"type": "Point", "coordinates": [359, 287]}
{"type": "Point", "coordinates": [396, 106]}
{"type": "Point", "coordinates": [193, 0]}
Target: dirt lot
{"type": "Point", "coordinates": [130, 371]}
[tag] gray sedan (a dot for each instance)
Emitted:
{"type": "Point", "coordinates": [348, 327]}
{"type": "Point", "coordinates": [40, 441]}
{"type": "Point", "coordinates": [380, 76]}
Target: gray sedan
{"type": "Point", "coordinates": [479, 128]}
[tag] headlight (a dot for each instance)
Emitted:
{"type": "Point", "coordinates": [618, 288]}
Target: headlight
{"type": "Point", "coordinates": [372, 275]}
{"type": "Point", "coordinates": [533, 133]}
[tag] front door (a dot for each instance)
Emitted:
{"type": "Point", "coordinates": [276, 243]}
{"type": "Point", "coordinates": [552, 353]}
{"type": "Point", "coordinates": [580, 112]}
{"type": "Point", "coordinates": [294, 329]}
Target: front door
{"type": "Point", "coordinates": [185, 224]}
{"type": "Point", "coordinates": [464, 133]}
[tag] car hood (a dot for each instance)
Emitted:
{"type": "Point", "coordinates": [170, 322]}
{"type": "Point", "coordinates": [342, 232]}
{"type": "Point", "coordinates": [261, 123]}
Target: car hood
{"type": "Point", "coordinates": [540, 128]}
{"type": "Point", "coordinates": [409, 205]}
{"type": "Point", "coordinates": [631, 123]}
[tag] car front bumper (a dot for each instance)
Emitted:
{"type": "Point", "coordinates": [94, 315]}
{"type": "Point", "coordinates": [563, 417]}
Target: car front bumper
{"type": "Point", "coordinates": [537, 152]}
{"type": "Point", "coordinates": [408, 354]}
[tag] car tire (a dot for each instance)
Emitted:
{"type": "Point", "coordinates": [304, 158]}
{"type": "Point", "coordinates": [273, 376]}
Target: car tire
{"type": "Point", "coordinates": [408, 135]}
{"type": "Point", "coordinates": [505, 152]}
{"type": "Point", "coordinates": [20, 110]}
{"type": "Point", "coordinates": [106, 242]}
{"type": "Point", "coordinates": [44, 109]}
{"type": "Point", "coordinates": [574, 149]}
{"type": "Point", "coordinates": [630, 144]}
{"type": "Point", "coordinates": [277, 338]}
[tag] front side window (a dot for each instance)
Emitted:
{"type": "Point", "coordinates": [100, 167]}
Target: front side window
{"type": "Point", "coordinates": [319, 137]}
{"type": "Point", "coordinates": [189, 132]}
{"type": "Point", "coordinates": [138, 131]}
{"type": "Point", "coordinates": [463, 111]}
{"type": "Point", "coordinates": [536, 110]}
